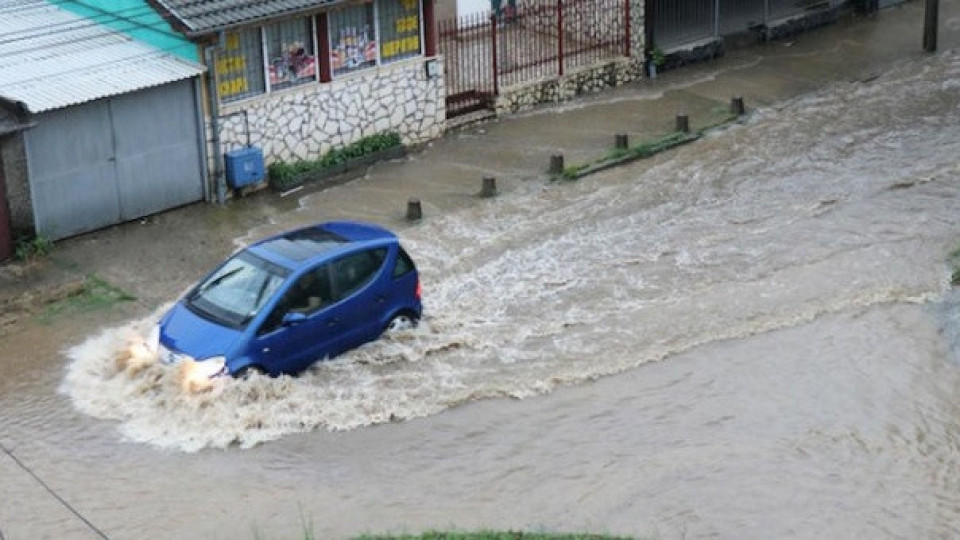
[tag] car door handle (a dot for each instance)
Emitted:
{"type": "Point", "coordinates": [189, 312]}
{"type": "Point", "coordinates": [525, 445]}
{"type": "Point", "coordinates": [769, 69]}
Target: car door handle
{"type": "Point", "coordinates": [333, 322]}
{"type": "Point", "coordinates": [381, 299]}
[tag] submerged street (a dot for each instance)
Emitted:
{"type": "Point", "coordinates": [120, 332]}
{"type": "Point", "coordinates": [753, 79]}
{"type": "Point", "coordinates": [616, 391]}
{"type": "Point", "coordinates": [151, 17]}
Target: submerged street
{"type": "Point", "coordinates": [751, 336]}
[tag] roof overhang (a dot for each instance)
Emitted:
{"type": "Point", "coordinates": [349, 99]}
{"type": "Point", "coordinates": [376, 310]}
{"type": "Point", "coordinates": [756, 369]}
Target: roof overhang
{"type": "Point", "coordinates": [79, 62]}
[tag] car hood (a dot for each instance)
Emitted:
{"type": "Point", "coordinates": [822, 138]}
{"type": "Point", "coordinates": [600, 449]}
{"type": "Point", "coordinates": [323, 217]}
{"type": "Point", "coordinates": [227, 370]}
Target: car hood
{"type": "Point", "coordinates": [184, 331]}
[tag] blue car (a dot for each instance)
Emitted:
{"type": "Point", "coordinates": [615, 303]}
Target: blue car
{"type": "Point", "coordinates": [286, 302]}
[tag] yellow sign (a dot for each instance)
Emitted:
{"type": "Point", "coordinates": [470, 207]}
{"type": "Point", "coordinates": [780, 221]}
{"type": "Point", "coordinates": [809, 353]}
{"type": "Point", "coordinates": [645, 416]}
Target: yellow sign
{"type": "Point", "coordinates": [231, 68]}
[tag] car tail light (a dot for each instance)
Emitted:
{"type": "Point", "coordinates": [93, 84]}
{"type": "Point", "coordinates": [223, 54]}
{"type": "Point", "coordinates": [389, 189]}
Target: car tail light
{"type": "Point", "coordinates": [419, 289]}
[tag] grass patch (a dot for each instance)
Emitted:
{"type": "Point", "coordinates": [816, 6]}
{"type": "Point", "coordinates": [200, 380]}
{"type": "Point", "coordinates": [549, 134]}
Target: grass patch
{"type": "Point", "coordinates": [93, 295]}
{"type": "Point", "coordinates": [643, 150]}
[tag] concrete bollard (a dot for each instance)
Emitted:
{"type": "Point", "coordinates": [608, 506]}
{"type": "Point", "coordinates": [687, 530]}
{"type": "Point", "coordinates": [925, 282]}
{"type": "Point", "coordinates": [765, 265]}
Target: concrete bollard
{"type": "Point", "coordinates": [737, 107]}
{"type": "Point", "coordinates": [414, 210]}
{"type": "Point", "coordinates": [489, 188]}
{"type": "Point", "coordinates": [620, 141]}
{"type": "Point", "coordinates": [683, 123]}
{"type": "Point", "coordinates": [556, 164]}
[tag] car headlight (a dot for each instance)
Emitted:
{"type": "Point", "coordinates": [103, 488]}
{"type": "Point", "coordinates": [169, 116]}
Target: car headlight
{"type": "Point", "coordinates": [198, 376]}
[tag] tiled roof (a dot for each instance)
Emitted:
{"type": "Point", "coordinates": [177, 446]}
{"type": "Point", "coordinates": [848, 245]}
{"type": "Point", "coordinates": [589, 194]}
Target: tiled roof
{"type": "Point", "coordinates": [50, 58]}
{"type": "Point", "coordinates": [198, 17]}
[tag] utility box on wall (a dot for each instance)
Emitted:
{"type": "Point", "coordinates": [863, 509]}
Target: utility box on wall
{"type": "Point", "coordinates": [244, 166]}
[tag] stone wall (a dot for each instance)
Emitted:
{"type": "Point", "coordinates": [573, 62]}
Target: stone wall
{"type": "Point", "coordinates": [585, 80]}
{"type": "Point", "coordinates": [307, 121]}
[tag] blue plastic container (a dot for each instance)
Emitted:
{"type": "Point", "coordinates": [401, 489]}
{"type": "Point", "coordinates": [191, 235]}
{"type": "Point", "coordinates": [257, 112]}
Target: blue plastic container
{"type": "Point", "coordinates": [244, 166]}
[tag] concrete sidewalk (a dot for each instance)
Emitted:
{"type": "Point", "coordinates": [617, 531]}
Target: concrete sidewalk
{"type": "Point", "coordinates": [155, 258]}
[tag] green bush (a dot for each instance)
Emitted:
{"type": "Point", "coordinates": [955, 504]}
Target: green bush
{"type": "Point", "coordinates": [283, 174]}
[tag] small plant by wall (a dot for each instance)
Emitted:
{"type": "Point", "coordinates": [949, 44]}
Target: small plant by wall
{"type": "Point", "coordinates": [29, 247]}
{"type": "Point", "coordinates": [285, 175]}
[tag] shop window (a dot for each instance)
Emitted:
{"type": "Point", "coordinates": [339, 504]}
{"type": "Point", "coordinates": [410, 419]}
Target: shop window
{"type": "Point", "coordinates": [399, 22]}
{"type": "Point", "coordinates": [353, 44]}
{"type": "Point", "coordinates": [239, 66]}
{"type": "Point", "coordinates": [290, 53]}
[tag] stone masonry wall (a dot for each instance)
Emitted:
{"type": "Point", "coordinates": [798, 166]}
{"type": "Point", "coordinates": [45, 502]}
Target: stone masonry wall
{"type": "Point", "coordinates": [307, 121]}
{"type": "Point", "coordinates": [586, 80]}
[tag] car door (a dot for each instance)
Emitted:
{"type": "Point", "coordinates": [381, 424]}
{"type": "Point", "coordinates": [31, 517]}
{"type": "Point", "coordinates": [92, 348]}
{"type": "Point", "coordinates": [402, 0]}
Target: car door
{"type": "Point", "coordinates": [360, 296]}
{"type": "Point", "coordinates": [291, 344]}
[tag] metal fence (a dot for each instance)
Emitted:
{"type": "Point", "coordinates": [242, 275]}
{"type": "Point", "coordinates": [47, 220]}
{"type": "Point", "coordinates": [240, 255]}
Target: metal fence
{"type": "Point", "coordinates": [536, 40]}
{"type": "Point", "coordinates": [679, 22]}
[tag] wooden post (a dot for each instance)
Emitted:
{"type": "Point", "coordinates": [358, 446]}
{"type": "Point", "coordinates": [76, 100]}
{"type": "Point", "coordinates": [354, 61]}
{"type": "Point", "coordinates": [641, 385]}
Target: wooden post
{"type": "Point", "coordinates": [930, 24]}
{"type": "Point", "coordinates": [429, 29]}
{"type": "Point", "coordinates": [620, 141]}
{"type": "Point", "coordinates": [683, 123]}
{"type": "Point", "coordinates": [324, 41]}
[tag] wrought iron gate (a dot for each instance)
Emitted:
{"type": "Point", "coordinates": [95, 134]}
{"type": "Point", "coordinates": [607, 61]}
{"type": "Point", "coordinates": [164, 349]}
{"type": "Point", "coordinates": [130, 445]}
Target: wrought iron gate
{"type": "Point", "coordinates": [532, 41]}
{"type": "Point", "coordinates": [468, 57]}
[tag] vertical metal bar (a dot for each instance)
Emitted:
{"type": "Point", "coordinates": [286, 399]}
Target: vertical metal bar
{"type": "Point", "coordinates": [560, 37]}
{"type": "Point", "coordinates": [716, 19]}
{"type": "Point", "coordinates": [650, 20]}
{"type": "Point", "coordinates": [626, 28]}
{"type": "Point", "coordinates": [493, 46]}
{"type": "Point", "coordinates": [766, 13]}
{"type": "Point", "coordinates": [930, 24]}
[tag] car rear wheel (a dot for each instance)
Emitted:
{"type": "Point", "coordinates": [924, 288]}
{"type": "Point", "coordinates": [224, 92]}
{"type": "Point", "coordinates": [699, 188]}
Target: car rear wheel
{"type": "Point", "coordinates": [401, 322]}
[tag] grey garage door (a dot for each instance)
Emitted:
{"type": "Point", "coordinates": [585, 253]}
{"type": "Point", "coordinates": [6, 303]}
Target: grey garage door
{"type": "Point", "coordinates": [113, 160]}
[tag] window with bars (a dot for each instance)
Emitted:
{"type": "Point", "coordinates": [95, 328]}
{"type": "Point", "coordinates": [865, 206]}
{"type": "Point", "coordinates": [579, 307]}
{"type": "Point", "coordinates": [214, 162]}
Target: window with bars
{"type": "Point", "coordinates": [399, 24]}
{"type": "Point", "coordinates": [353, 43]}
{"type": "Point", "coordinates": [291, 60]}
{"type": "Point", "coordinates": [239, 66]}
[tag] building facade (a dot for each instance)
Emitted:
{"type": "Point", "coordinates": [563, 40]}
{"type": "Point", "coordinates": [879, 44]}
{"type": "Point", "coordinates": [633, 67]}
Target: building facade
{"type": "Point", "coordinates": [298, 78]}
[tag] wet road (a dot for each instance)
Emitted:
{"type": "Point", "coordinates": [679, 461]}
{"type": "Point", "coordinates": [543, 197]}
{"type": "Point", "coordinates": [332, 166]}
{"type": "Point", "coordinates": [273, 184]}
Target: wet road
{"type": "Point", "coordinates": [752, 336]}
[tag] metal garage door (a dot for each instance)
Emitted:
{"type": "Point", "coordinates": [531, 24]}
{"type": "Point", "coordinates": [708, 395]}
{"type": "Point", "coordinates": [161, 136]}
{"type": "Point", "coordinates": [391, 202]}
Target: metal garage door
{"type": "Point", "coordinates": [113, 160]}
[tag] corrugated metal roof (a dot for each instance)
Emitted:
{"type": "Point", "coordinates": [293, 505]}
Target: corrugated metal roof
{"type": "Point", "coordinates": [50, 58]}
{"type": "Point", "coordinates": [197, 17]}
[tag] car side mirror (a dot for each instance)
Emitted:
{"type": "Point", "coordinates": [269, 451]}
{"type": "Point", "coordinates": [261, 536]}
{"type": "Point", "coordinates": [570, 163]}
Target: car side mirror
{"type": "Point", "coordinates": [293, 318]}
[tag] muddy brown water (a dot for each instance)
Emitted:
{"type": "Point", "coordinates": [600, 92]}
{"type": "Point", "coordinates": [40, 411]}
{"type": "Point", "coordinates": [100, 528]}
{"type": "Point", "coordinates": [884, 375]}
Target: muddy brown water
{"type": "Point", "coordinates": [753, 336]}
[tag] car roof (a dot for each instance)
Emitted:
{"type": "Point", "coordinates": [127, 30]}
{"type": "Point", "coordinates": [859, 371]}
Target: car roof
{"type": "Point", "coordinates": [301, 247]}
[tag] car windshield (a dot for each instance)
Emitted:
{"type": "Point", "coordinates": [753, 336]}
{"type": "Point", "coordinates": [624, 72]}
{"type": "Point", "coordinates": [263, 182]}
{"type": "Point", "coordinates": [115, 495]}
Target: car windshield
{"type": "Point", "coordinates": [235, 293]}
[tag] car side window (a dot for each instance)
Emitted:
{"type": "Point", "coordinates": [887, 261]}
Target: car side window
{"type": "Point", "coordinates": [310, 293]}
{"type": "Point", "coordinates": [354, 271]}
{"type": "Point", "coordinates": [404, 264]}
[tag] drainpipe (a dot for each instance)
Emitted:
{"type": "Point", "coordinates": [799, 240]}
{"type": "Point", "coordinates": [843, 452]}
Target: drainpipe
{"type": "Point", "coordinates": [221, 188]}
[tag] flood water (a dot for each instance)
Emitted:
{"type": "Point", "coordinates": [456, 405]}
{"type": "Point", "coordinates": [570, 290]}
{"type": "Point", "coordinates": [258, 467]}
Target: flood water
{"type": "Point", "coordinates": [751, 336]}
